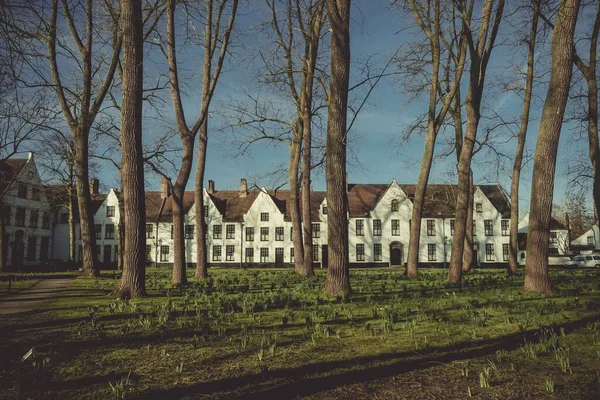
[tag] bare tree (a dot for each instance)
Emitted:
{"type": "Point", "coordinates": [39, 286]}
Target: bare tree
{"type": "Point", "coordinates": [430, 19]}
{"type": "Point", "coordinates": [338, 273]}
{"type": "Point", "coordinates": [536, 267]}
{"type": "Point", "coordinates": [479, 53]}
{"type": "Point", "coordinates": [132, 165]}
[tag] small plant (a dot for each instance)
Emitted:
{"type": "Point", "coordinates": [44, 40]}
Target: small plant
{"type": "Point", "coordinates": [500, 355]}
{"type": "Point", "coordinates": [530, 350]}
{"type": "Point", "coordinates": [120, 389]}
{"type": "Point", "coordinates": [483, 380]}
{"type": "Point", "coordinates": [179, 368]}
{"type": "Point", "coordinates": [549, 385]}
{"type": "Point", "coordinates": [562, 356]}
{"type": "Point", "coordinates": [464, 368]}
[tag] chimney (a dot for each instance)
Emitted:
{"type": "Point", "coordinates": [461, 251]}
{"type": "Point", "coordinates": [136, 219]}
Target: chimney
{"type": "Point", "coordinates": [94, 186]}
{"type": "Point", "coordinates": [243, 187]}
{"type": "Point", "coordinates": [165, 188]}
{"type": "Point", "coordinates": [211, 186]}
{"type": "Point", "coordinates": [30, 156]}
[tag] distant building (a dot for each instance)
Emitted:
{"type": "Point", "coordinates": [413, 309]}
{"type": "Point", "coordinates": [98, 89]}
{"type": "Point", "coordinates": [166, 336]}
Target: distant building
{"type": "Point", "coordinates": [559, 239]}
{"type": "Point", "coordinates": [589, 242]}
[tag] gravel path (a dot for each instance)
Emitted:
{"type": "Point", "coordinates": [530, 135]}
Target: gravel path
{"type": "Point", "coordinates": [30, 299]}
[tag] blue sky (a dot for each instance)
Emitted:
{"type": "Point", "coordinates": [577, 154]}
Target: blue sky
{"type": "Point", "coordinates": [376, 30]}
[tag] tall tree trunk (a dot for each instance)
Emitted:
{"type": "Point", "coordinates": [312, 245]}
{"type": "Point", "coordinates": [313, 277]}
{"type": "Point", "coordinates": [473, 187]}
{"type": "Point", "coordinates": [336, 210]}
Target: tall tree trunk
{"type": "Point", "coordinates": [468, 256]}
{"type": "Point", "coordinates": [2, 238]}
{"type": "Point", "coordinates": [86, 218]}
{"type": "Point", "coordinates": [308, 269]}
{"type": "Point", "coordinates": [179, 261]}
{"type": "Point", "coordinates": [71, 208]}
{"type": "Point", "coordinates": [542, 188]}
{"type": "Point", "coordinates": [338, 273]}
{"type": "Point", "coordinates": [295, 211]}
{"type": "Point", "coordinates": [132, 164]}
{"type": "Point", "coordinates": [480, 54]}
{"type": "Point", "coordinates": [513, 263]}
{"type": "Point", "coordinates": [201, 225]}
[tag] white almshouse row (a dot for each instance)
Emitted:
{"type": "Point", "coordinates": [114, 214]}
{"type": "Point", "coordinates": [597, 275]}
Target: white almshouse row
{"type": "Point", "coordinates": [253, 227]}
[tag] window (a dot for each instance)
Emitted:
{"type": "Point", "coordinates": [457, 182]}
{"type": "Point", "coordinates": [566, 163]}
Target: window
{"type": "Point", "coordinates": [230, 231]}
{"type": "Point", "coordinates": [505, 224]}
{"type": "Point", "coordinates": [590, 240]}
{"type": "Point", "coordinates": [46, 220]}
{"type": "Point", "coordinates": [264, 234]}
{"type": "Point", "coordinates": [149, 231]}
{"type": "Point", "coordinates": [229, 253]}
{"type": "Point", "coordinates": [315, 253]}
{"type": "Point", "coordinates": [116, 253]}
{"type": "Point", "coordinates": [553, 237]}
{"type": "Point", "coordinates": [205, 211]}
{"type": "Point", "coordinates": [98, 230]}
{"type": "Point", "coordinates": [164, 253]}
{"type": "Point", "coordinates": [505, 251]}
{"type": "Point", "coordinates": [451, 227]}
{"type": "Point", "coordinates": [171, 231]}
{"type": "Point", "coordinates": [189, 231]}
{"type": "Point", "coordinates": [316, 231]}
{"type": "Point", "coordinates": [360, 227]}
{"type": "Point", "coordinates": [479, 207]}
{"type": "Point", "coordinates": [377, 251]}
{"type": "Point", "coordinates": [249, 234]}
{"type": "Point", "coordinates": [110, 211]}
{"type": "Point", "coordinates": [431, 252]}
{"type": "Point", "coordinates": [44, 248]}
{"type": "Point", "coordinates": [279, 233]}
{"type": "Point", "coordinates": [489, 252]}
{"type": "Point", "coordinates": [431, 227]}
{"type": "Point", "coordinates": [217, 231]}
{"type": "Point", "coordinates": [107, 253]}
{"type": "Point", "coordinates": [291, 233]}
{"type": "Point", "coordinates": [31, 248]}
{"type": "Point", "coordinates": [395, 227]}
{"type": "Point", "coordinates": [488, 227]}
{"type": "Point", "coordinates": [395, 205]}
{"type": "Point", "coordinates": [522, 255]}
{"type": "Point", "coordinates": [292, 255]}
{"type": "Point", "coordinates": [22, 190]}
{"type": "Point", "coordinates": [264, 254]}
{"type": "Point", "coordinates": [7, 215]}
{"type": "Point", "coordinates": [148, 252]}
{"type": "Point", "coordinates": [249, 255]}
{"type": "Point", "coordinates": [264, 217]}
{"type": "Point", "coordinates": [324, 210]}
{"type": "Point", "coordinates": [216, 253]}
{"type": "Point", "coordinates": [98, 251]}
{"type": "Point", "coordinates": [64, 218]}
{"type": "Point", "coordinates": [474, 228]}
{"type": "Point", "coordinates": [35, 193]}
{"type": "Point", "coordinates": [360, 252]}
{"type": "Point", "coordinates": [33, 218]}
{"type": "Point", "coordinates": [376, 227]}
{"type": "Point", "coordinates": [109, 232]}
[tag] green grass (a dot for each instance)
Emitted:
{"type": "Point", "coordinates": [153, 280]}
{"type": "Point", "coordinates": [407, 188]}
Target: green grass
{"type": "Point", "coordinates": [272, 334]}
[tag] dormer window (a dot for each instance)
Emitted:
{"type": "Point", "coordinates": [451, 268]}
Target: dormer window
{"type": "Point", "coordinates": [395, 205]}
{"type": "Point", "coordinates": [110, 211]}
{"type": "Point", "coordinates": [324, 210]}
{"type": "Point", "coordinates": [264, 217]}
{"type": "Point", "coordinates": [479, 207]}
{"type": "Point", "coordinates": [22, 190]}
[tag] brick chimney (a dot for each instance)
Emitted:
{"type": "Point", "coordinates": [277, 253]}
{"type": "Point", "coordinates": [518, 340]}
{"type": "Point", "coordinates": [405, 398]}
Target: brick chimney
{"type": "Point", "coordinates": [94, 186]}
{"type": "Point", "coordinates": [165, 188]}
{"type": "Point", "coordinates": [211, 186]}
{"type": "Point", "coordinates": [243, 187]}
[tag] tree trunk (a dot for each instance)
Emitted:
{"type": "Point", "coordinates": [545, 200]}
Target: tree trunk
{"type": "Point", "coordinates": [307, 269]}
{"type": "Point", "coordinates": [201, 224]}
{"type": "Point", "coordinates": [536, 267]}
{"type": "Point", "coordinates": [179, 262]}
{"type": "Point", "coordinates": [2, 231]}
{"type": "Point", "coordinates": [132, 164]}
{"type": "Point", "coordinates": [513, 263]}
{"type": "Point", "coordinates": [338, 273]}
{"type": "Point", "coordinates": [86, 218]}
{"type": "Point", "coordinates": [468, 256]}
{"type": "Point", "coordinates": [295, 212]}
{"type": "Point", "coordinates": [71, 208]}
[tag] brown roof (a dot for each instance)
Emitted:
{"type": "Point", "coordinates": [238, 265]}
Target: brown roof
{"type": "Point", "coordinates": [9, 169]}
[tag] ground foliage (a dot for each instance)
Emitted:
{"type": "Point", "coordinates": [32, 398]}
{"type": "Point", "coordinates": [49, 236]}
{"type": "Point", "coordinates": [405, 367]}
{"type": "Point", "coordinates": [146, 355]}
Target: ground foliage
{"type": "Point", "coordinates": [273, 334]}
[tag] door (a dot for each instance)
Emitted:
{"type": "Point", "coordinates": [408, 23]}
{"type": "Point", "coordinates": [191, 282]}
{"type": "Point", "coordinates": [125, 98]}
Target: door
{"type": "Point", "coordinates": [18, 251]}
{"type": "Point", "coordinates": [279, 257]}
{"type": "Point", "coordinates": [396, 254]}
{"type": "Point", "coordinates": [324, 256]}
{"type": "Point", "coordinates": [107, 253]}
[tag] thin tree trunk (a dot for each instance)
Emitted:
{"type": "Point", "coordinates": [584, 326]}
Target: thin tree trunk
{"type": "Point", "coordinates": [480, 54]}
{"type": "Point", "coordinates": [338, 273]}
{"type": "Point", "coordinates": [132, 165]}
{"type": "Point", "coordinates": [2, 231]}
{"type": "Point", "coordinates": [468, 256]}
{"type": "Point", "coordinates": [201, 225]}
{"type": "Point", "coordinates": [308, 269]}
{"type": "Point", "coordinates": [295, 212]}
{"type": "Point", "coordinates": [179, 262]}
{"type": "Point", "coordinates": [513, 263]}
{"type": "Point", "coordinates": [542, 188]}
{"type": "Point", "coordinates": [71, 208]}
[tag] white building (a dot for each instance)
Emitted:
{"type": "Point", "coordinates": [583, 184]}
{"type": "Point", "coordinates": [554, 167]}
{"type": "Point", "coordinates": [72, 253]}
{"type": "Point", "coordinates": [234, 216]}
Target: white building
{"type": "Point", "coordinates": [558, 245]}
{"type": "Point", "coordinates": [589, 242]}
{"type": "Point", "coordinates": [26, 214]}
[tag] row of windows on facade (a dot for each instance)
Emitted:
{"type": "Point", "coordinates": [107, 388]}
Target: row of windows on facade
{"type": "Point", "coordinates": [217, 253]}
{"type": "Point", "coordinates": [20, 217]}
{"type": "Point", "coordinates": [217, 232]}
{"type": "Point", "coordinates": [23, 191]}
{"type": "Point", "coordinates": [32, 242]}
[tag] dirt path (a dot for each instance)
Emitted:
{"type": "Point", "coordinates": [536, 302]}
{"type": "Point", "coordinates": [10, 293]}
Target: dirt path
{"type": "Point", "coordinates": [30, 299]}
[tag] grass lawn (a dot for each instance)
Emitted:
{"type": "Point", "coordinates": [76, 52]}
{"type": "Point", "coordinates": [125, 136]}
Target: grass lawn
{"type": "Point", "coordinates": [270, 334]}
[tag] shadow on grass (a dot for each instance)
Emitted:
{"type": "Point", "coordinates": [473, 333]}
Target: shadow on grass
{"type": "Point", "coordinates": [318, 377]}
